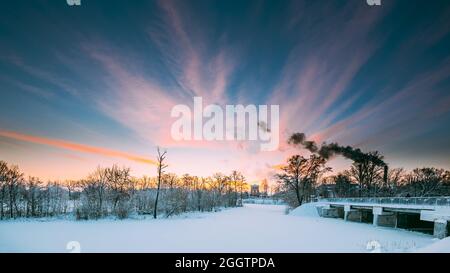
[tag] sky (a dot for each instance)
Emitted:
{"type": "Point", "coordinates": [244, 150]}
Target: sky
{"type": "Point", "coordinates": [94, 85]}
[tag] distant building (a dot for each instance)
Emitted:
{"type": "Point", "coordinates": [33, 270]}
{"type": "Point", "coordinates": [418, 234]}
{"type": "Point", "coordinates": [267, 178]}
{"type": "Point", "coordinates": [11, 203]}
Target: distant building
{"type": "Point", "coordinates": [254, 190]}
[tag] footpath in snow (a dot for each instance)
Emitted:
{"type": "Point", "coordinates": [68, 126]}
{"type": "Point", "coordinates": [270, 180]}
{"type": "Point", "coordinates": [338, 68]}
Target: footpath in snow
{"type": "Point", "coordinates": [252, 228]}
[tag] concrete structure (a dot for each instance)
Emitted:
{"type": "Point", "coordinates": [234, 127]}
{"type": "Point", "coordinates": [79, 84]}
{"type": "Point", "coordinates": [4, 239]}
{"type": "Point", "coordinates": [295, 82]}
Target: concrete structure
{"type": "Point", "coordinates": [352, 214]}
{"type": "Point", "coordinates": [329, 212]}
{"type": "Point", "coordinates": [440, 218]}
{"type": "Point", "coordinates": [430, 215]}
{"type": "Point", "coordinates": [383, 218]}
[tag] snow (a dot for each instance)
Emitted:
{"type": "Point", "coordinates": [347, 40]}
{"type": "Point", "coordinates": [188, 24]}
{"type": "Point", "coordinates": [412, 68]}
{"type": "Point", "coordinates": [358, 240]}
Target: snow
{"type": "Point", "coordinates": [252, 228]}
{"type": "Point", "coordinates": [307, 210]}
{"type": "Point", "coordinates": [440, 246]}
{"type": "Point", "coordinates": [439, 215]}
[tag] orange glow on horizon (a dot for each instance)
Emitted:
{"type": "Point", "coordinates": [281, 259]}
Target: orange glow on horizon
{"type": "Point", "coordinates": [76, 147]}
{"type": "Point", "coordinates": [277, 167]}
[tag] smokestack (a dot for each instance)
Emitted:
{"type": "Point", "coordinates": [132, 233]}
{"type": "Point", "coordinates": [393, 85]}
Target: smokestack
{"type": "Point", "coordinates": [385, 176]}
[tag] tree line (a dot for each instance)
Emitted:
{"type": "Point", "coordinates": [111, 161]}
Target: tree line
{"type": "Point", "coordinates": [113, 191]}
{"type": "Point", "coordinates": [302, 179]}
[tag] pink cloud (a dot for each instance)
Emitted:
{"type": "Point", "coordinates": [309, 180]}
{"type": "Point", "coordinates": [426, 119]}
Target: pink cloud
{"type": "Point", "coordinates": [75, 146]}
{"type": "Point", "coordinates": [184, 54]}
{"type": "Point", "coordinates": [310, 86]}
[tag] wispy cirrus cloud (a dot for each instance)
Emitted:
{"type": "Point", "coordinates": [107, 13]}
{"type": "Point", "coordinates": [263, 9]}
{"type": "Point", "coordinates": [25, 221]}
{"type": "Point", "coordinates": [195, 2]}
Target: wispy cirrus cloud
{"type": "Point", "coordinates": [386, 117]}
{"type": "Point", "coordinates": [133, 100]}
{"type": "Point", "coordinates": [197, 67]}
{"type": "Point", "coordinates": [60, 84]}
{"type": "Point", "coordinates": [143, 103]}
{"type": "Point", "coordinates": [321, 67]}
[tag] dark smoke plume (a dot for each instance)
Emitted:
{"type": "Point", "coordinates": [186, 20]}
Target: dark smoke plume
{"type": "Point", "coordinates": [329, 150]}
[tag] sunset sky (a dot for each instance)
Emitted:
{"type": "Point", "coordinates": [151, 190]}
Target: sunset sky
{"type": "Point", "coordinates": [94, 85]}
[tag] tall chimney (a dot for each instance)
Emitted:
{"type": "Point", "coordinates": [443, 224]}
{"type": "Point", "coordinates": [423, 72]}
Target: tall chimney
{"type": "Point", "coordinates": [385, 175]}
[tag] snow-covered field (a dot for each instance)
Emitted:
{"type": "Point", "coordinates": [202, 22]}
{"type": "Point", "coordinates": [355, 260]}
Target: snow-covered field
{"type": "Point", "coordinates": [252, 228]}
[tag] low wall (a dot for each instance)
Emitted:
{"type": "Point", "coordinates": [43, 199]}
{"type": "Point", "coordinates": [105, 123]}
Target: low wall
{"type": "Point", "coordinates": [385, 220]}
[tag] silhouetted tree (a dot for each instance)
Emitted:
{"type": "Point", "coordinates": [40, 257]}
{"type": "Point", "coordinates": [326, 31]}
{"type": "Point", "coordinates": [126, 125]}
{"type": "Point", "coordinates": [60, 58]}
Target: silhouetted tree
{"type": "Point", "coordinates": [367, 173]}
{"type": "Point", "coordinates": [160, 169]}
{"type": "Point", "coordinates": [3, 183]}
{"type": "Point", "coordinates": [343, 185]}
{"type": "Point", "coordinates": [299, 176]}
{"type": "Point", "coordinates": [13, 179]}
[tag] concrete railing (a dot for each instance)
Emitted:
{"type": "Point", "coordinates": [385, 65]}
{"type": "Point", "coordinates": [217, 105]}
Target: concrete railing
{"type": "Point", "coordinates": [263, 201]}
{"type": "Point", "coordinates": [427, 201]}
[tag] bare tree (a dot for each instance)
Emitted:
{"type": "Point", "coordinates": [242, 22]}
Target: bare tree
{"type": "Point", "coordinates": [368, 173]}
{"type": "Point", "coordinates": [160, 169]}
{"type": "Point", "coordinates": [219, 187]}
{"type": "Point", "coordinates": [99, 183]}
{"type": "Point", "coordinates": [343, 185]}
{"type": "Point", "coordinates": [299, 176]}
{"type": "Point", "coordinates": [199, 188]}
{"type": "Point", "coordinates": [145, 182]}
{"type": "Point", "coordinates": [33, 184]}
{"type": "Point", "coordinates": [13, 178]}
{"type": "Point", "coordinates": [425, 181]}
{"type": "Point", "coordinates": [396, 177]}
{"type": "Point", "coordinates": [290, 179]}
{"type": "Point", "coordinates": [235, 178]}
{"type": "Point", "coordinates": [120, 183]}
{"type": "Point", "coordinates": [3, 182]}
{"type": "Point", "coordinates": [112, 191]}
